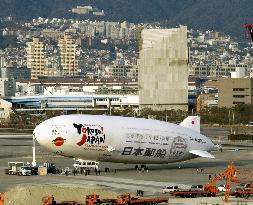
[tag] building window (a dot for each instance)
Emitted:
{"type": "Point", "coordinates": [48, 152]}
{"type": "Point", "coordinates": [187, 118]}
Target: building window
{"type": "Point", "coordinates": [238, 103]}
{"type": "Point", "coordinates": [238, 89]}
{"type": "Point", "coordinates": [238, 96]}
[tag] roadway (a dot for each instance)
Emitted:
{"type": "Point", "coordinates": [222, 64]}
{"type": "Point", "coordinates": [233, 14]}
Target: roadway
{"type": "Point", "coordinates": [17, 147]}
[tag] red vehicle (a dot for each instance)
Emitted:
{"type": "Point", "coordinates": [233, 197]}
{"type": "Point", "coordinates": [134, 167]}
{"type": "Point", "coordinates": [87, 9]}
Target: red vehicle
{"type": "Point", "coordinates": [49, 200]}
{"type": "Point", "coordinates": [2, 196]}
{"type": "Point", "coordinates": [123, 200]}
{"type": "Point", "coordinates": [210, 188]}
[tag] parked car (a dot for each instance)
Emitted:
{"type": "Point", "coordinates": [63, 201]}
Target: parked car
{"type": "Point", "coordinates": [221, 188]}
{"type": "Point", "coordinates": [195, 187]}
{"type": "Point", "coordinates": [250, 124]}
{"type": "Point", "coordinates": [25, 171]}
{"type": "Point", "coordinates": [34, 170]}
{"type": "Point", "coordinates": [243, 187]}
{"type": "Point", "coordinates": [168, 189]}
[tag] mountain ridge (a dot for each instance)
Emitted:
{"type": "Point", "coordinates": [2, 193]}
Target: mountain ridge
{"type": "Point", "coordinates": [227, 16]}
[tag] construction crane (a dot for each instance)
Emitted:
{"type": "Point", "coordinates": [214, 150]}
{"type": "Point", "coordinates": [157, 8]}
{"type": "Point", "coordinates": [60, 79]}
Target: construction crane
{"type": "Point", "coordinates": [229, 174]}
{"type": "Point", "coordinates": [249, 29]}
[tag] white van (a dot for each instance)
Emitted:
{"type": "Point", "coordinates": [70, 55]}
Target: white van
{"type": "Point", "coordinates": [168, 189]}
{"type": "Point", "coordinates": [85, 164]}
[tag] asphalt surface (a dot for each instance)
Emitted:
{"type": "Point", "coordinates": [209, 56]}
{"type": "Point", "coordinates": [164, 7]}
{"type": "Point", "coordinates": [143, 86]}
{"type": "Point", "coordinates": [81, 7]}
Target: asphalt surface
{"type": "Point", "coordinates": [18, 147]}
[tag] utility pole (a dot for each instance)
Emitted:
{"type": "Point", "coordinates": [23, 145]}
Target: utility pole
{"type": "Point", "coordinates": [33, 148]}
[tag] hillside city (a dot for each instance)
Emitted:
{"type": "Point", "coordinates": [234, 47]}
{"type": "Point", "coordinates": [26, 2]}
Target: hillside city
{"type": "Point", "coordinates": [84, 65]}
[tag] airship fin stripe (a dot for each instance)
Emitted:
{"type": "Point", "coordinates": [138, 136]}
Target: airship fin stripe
{"type": "Point", "coordinates": [202, 153]}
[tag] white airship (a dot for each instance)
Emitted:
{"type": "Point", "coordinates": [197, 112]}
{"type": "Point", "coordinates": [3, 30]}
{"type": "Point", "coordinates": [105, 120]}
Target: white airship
{"type": "Point", "coordinates": [123, 139]}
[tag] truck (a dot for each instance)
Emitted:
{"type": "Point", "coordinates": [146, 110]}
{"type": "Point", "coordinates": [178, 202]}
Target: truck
{"type": "Point", "coordinates": [210, 189]}
{"type": "Point", "coordinates": [124, 199]}
{"type": "Point", "coordinates": [92, 199]}
{"type": "Point", "coordinates": [244, 190]}
{"type": "Point", "coordinates": [242, 194]}
{"type": "Point", "coordinates": [14, 167]}
{"type": "Point", "coordinates": [49, 200]}
{"type": "Point", "coordinates": [193, 193]}
{"type": "Point", "coordinates": [51, 168]}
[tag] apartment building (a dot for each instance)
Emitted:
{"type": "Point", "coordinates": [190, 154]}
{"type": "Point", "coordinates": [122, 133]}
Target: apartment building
{"type": "Point", "coordinates": [36, 57]}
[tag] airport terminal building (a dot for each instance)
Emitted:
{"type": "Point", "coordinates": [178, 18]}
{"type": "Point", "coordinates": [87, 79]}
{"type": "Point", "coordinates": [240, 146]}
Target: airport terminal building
{"type": "Point", "coordinates": [74, 102]}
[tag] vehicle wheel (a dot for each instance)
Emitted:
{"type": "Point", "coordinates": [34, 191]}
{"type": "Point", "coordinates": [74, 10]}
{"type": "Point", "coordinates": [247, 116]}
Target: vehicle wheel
{"type": "Point", "coordinates": [246, 196]}
{"type": "Point", "coordinates": [143, 166]}
{"type": "Point", "coordinates": [243, 195]}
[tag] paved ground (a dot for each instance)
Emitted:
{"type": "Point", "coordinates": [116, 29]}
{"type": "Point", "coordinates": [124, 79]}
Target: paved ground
{"type": "Point", "coordinates": [18, 148]}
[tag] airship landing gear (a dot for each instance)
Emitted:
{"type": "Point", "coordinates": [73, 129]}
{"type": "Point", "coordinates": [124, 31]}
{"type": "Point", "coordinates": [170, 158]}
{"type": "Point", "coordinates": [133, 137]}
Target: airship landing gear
{"type": "Point", "coordinates": [136, 167]}
{"type": "Point", "coordinates": [142, 168]}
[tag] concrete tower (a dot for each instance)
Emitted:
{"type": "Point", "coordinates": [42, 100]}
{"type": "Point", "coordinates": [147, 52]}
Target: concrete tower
{"type": "Point", "coordinates": [36, 57]}
{"type": "Point", "coordinates": [163, 69]}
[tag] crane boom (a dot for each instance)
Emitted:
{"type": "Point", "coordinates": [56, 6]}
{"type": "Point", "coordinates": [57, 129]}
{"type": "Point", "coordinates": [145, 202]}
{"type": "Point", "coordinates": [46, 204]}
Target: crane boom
{"type": "Point", "coordinates": [249, 28]}
{"type": "Point", "coordinates": [229, 174]}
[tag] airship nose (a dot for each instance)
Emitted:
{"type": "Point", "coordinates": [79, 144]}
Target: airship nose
{"type": "Point", "coordinates": [36, 133]}
{"type": "Point", "coordinates": [41, 134]}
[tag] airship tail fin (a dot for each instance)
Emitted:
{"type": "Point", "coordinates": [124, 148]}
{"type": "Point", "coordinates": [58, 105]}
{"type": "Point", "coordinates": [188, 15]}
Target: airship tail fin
{"type": "Point", "coordinates": [192, 122]}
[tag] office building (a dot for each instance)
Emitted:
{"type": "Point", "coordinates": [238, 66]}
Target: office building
{"type": "Point", "coordinates": [122, 71]}
{"type": "Point", "coordinates": [215, 70]}
{"type": "Point", "coordinates": [16, 73]}
{"type": "Point", "coordinates": [7, 87]}
{"type": "Point", "coordinates": [234, 91]}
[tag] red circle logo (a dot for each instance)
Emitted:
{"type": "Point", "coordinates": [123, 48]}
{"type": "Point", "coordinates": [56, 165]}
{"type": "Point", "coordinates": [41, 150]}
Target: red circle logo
{"type": "Point", "coordinates": [59, 141]}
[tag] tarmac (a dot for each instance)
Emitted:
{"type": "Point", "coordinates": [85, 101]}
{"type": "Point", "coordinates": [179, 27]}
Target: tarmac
{"type": "Point", "coordinates": [18, 147]}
